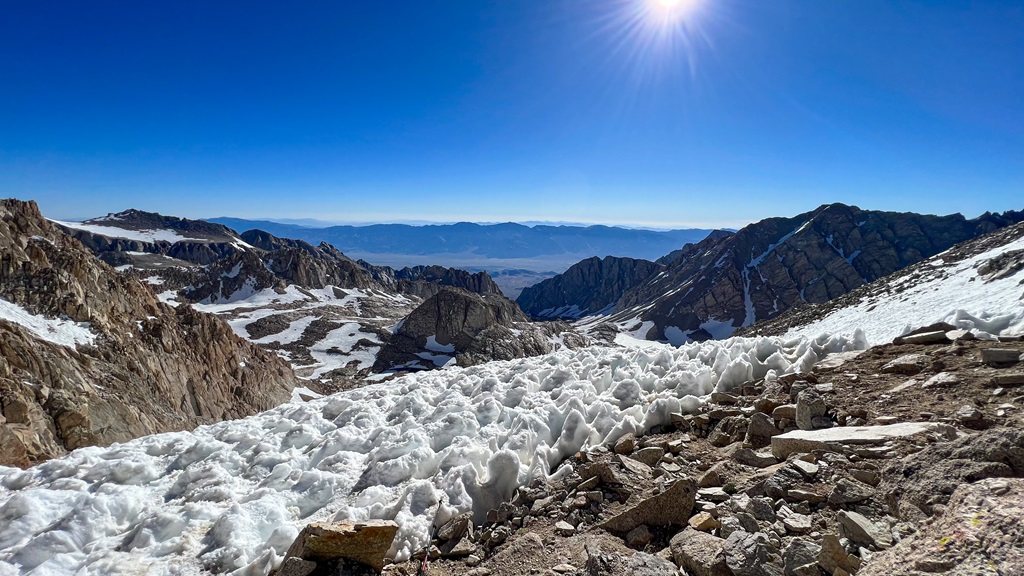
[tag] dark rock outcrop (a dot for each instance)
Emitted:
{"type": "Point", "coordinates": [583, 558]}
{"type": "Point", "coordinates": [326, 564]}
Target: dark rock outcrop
{"type": "Point", "coordinates": [426, 281]}
{"type": "Point", "coordinates": [148, 367]}
{"type": "Point", "coordinates": [587, 287]}
{"type": "Point", "coordinates": [469, 328]}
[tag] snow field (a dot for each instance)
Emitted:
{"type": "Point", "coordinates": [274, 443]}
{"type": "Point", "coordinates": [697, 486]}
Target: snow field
{"type": "Point", "coordinates": [231, 497]}
{"type": "Point", "coordinates": [955, 294]}
{"type": "Point", "coordinates": [63, 332]}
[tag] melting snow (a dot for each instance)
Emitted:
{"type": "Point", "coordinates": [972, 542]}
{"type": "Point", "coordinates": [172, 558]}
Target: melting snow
{"type": "Point", "coordinates": [158, 235]}
{"type": "Point", "coordinates": [956, 295]}
{"type": "Point", "coordinates": [233, 496]}
{"type": "Point", "coordinates": [63, 332]}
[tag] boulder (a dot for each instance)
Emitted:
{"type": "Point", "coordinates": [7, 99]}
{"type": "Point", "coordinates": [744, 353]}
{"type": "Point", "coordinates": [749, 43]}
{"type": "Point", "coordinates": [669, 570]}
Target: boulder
{"type": "Point", "coordinates": [809, 405]}
{"type": "Point", "coordinates": [799, 552]}
{"type": "Point", "coordinates": [673, 507]}
{"type": "Point", "coordinates": [924, 338]}
{"type": "Point", "coordinates": [798, 441]}
{"type": "Point", "coordinates": [998, 357]}
{"type": "Point", "coordinates": [760, 430]}
{"type": "Point", "coordinates": [849, 492]}
{"type": "Point", "coordinates": [834, 557]}
{"type": "Point", "coordinates": [749, 554]}
{"type": "Point", "coordinates": [862, 531]}
{"type": "Point", "coordinates": [364, 542]}
{"type": "Point", "coordinates": [699, 553]}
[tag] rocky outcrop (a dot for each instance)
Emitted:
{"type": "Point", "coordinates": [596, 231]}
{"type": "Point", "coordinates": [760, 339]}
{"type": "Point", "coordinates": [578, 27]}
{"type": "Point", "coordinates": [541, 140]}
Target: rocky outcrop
{"type": "Point", "coordinates": [426, 281]}
{"type": "Point", "coordinates": [588, 287]}
{"type": "Point", "coordinates": [772, 266]}
{"type": "Point", "coordinates": [204, 243]}
{"type": "Point", "coordinates": [468, 328]}
{"type": "Point", "coordinates": [136, 367]}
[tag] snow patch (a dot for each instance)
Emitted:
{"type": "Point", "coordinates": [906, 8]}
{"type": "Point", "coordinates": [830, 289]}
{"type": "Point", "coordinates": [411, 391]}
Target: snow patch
{"type": "Point", "coordinates": [63, 332]}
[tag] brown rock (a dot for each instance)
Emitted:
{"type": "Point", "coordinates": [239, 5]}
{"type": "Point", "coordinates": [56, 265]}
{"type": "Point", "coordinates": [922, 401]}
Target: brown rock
{"type": "Point", "coordinates": [365, 542]}
{"type": "Point", "coordinates": [698, 553]}
{"type": "Point", "coordinates": [669, 508]}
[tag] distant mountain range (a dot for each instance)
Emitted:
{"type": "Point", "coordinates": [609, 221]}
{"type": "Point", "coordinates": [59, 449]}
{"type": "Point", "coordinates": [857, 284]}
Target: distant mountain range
{"type": "Point", "coordinates": [489, 246]}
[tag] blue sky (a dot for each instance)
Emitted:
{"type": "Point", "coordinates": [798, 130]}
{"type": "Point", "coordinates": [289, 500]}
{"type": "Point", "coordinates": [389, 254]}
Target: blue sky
{"type": "Point", "coordinates": [719, 112]}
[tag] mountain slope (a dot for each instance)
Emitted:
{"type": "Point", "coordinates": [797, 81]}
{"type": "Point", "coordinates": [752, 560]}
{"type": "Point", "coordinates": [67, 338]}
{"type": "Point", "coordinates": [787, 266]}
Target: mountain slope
{"type": "Point", "coordinates": [977, 284]}
{"type": "Point", "coordinates": [91, 357]}
{"type": "Point", "coordinates": [587, 287]}
{"type": "Point", "coordinates": [769, 267]}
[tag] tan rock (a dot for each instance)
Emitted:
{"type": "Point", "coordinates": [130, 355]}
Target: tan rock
{"type": "Point", "coordinates": [366, 542]}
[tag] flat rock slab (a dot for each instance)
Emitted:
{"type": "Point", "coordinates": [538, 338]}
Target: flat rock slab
{"type": "Point", "coordinates": [669, 508]}
{"type": "Point", "coordinates": [365, 542]}
{"type": "Point", "coordinates": [1000, 356]}
{"type": "Point", "coordinates": [798, 441]}
{"type": "Point", "coordinates": [909, 364]}
{"type": "Point", "coordinates": [837, 359]}
{"type": "Point", "coordinates": [936, 337]}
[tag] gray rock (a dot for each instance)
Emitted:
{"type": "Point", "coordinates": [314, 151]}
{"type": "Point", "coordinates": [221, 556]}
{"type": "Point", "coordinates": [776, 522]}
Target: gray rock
{"type": "Point", "coordinates": [800, 552]}
{"type": "Point", "coordinates": [781, 482]}
{"type": "Point", "coordinates": [760, 430]}
{"type": "Point", "coordinates": [941, 380]}
{"type": "Point", "coordinates": [749, 554]}
{"type": "Point", "coordinates": [699, 553]}
{"type": "Point", "coordinates": [936, 337]}
{"type": "Point", "coordinates": [672, 507]}
{"type": "Point", "coordinates": [849, 492]}
{"type": "Point", "coordinates": [809, 406]}
{"type": "Point", "coordinates": [808, 469]}
{"type": "Point", "coordinates": [297, 567]}
{"type": "Point", "coordinates": [649, 456]}
{"type": "Point", "coordinates": [748, 457]}
{"type": "Point", "coordinates": [908, 364]}
{"type": "Point", "coordinates": [761, 508]}
{"type": "Point", "coordinates": [785, 412]}
{"type": "Point", "coordinates": [639, 537]}
{"type": "Point", "coordinates": [563, 528]}
{"type": "Point", "coordinates": [998, 357]}
{"type": "Point", "coordinates": [860, 530]}
{"type": "Point", "coordinates": [969, 414]}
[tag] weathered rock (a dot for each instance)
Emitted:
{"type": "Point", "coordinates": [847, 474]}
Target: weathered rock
{"type": "Point", "coordinates": [784, 412]}
{"type": "Point", "coordinates": [799, 552]}
{"type": "Point", "coordinates": [749, 554]}
{"type": "Point", "coordinates": [649, 456]}
{"type": "Point", "coordinates": [713, 494]}
{"type": "Point", "coordinates": [916, 484]}
{"type": "Point", "coordinates": [834, 557]}
{"type": "Point", "coordinates": [639, 537]}
{"type": "Point", "coordinates": [809, 405]}
{"type": "Point", "coordinates": [941, 380]}
{"type": "Point", "coordinates": [748, 457]}
{"type": "Point", "coordinates": [808, 469]}
{"type": "Point", "coordinates": [704, 522]}
{"type": "Point", "coordinates": [606, 560]}
{"type": "Point", "coordinates": [364, 542]}
{"type": "Point", "coordinates": [1012, 379]}
{"type": "Point", "coordinates": [761, 508]}
{"type": "Point", "coordinates": [760, 430]}
{"type": "Point", "coordinates": [849, 492]}
{"type": "Point", "coordinates": [797, 523]}
{"type": "Point", "coordinates": [980, 532]}
{"type": "Point", "coordinates": [810, 440]}
{"type": "Point", "coordinates": [699, 553]}
{"type": "Point", "coordinates": [781, 482]}
{"type": "Point", "coordinates": [999, 357]}
{"type": "Point", "coordinates": [672, 507]}
{"type": "Point", "coordinates": [563, 528]}
{"type": "Point", "coordinates": [908, 364]}
{"type": "Point", "coordinates": [625, 445]}
{"type": "Point", "coordinates": [862, 531]}
{"type": "Point", "coordinates": [936, 337]}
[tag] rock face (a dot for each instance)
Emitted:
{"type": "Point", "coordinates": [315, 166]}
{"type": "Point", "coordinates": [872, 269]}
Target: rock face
{"type": "Point", "coordinates": [425, 281]}
{"type": "Point", "coordinates": [142, 367]}
{"type": "Point", "coordinates": [979, 533]}
{"type": "Point", "coordinates": [469, 328]}
{"type": "Point", "coordinates": [587, 287]}
{"type": "Point", "coordinates": [724, 283]}
{"type": "Point", "coordinates": [193, 241]}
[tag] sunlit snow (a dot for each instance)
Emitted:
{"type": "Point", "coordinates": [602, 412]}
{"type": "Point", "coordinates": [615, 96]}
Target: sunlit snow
{"type": "Point", "coordinates": [232, 496]}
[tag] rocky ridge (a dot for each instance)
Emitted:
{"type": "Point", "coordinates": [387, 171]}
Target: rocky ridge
{"type": "Point", "coordinates": [144, 367]}
{"type": "Point", "coordinates": [589, 287]}
{"type": "Point", "coordinates": [726, 282]}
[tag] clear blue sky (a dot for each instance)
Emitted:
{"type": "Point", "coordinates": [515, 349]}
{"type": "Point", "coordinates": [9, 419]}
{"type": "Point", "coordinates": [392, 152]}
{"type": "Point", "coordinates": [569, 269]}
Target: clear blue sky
{"type": "Point", "coordinates": [718, 113]}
